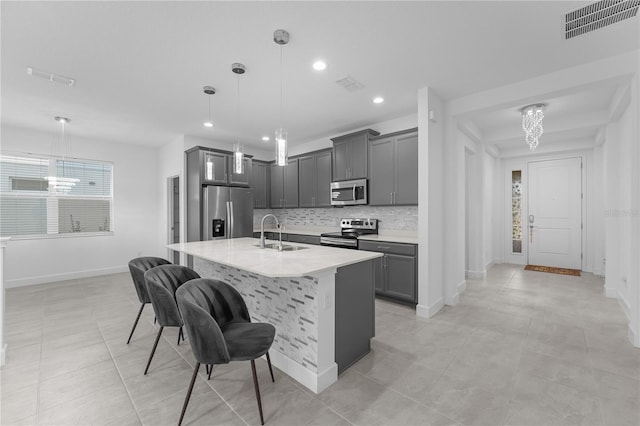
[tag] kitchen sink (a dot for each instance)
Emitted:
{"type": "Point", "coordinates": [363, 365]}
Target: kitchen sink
{"type": "Point", "coordinates": [285, 247]}
{"type": "Point", "coordinates": [292, 248]}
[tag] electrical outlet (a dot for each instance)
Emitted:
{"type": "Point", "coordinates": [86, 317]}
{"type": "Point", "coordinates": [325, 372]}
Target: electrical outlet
{"type": "Point", "coordinates": [328, 301]}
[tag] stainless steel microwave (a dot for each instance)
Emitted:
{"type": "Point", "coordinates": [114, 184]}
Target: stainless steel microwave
{"type": "Point", "coordinates": [349, 192]}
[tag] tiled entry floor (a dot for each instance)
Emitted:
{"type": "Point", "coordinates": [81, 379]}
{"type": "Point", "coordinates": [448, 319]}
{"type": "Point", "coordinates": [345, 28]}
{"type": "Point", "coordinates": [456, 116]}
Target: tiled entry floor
{"type": "Point", "coordinates": [521, 348]}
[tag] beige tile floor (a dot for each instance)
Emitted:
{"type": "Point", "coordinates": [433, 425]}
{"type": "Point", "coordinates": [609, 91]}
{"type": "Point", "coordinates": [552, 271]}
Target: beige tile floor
{"type": "Point", "coordinates": [521, 348]}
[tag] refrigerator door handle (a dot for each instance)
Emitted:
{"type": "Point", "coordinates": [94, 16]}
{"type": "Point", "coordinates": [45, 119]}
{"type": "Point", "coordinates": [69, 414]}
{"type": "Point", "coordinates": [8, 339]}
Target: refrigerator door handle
{"type": "Point", "coordinates": [231, 224]}
{"type": "Point", "coordinates": [228, 222]}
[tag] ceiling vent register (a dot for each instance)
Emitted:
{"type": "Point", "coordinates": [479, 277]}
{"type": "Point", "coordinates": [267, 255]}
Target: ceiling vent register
{"type": "Point", "coordinates": [349, 83]}
{"type": "Point", "coordinates": [598, 15]}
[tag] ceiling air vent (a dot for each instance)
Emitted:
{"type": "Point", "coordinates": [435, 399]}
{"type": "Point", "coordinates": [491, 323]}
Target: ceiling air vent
{"type": "Point", "coordinates": [598, 15]}
{"type": "Point", "coordinates": [350, 83]}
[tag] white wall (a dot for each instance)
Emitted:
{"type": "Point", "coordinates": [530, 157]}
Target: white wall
{"type": "Point", "coordinates": [431, 141]}
{"type": "Point", "coordinates": [490, 228]}
{"type": "Point", "coordinates": [34, 261]}
{"type": "Point", "coordinates": [622, 212]}
{"type": "Point", "coordinates": [384, 127]}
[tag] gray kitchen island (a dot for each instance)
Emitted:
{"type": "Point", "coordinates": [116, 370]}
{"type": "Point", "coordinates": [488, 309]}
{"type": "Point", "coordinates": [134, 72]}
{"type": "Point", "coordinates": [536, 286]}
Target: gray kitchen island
{"type": "Point", "coordinates": [320, 299]}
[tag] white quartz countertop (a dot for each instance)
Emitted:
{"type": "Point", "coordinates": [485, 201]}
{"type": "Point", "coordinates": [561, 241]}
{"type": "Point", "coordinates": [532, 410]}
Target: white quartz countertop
{"type": "Point", "coordinates": [243, 253]}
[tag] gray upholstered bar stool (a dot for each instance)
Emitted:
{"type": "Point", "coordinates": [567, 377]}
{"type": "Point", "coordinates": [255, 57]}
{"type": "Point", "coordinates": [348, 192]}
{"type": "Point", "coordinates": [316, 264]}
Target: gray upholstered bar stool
{"type": "Point", "coordinates": [162, 283]}
{"type": "Point", "coordinates": [138, 267]}
{"type": "Point", "coordinates": [220, 330]}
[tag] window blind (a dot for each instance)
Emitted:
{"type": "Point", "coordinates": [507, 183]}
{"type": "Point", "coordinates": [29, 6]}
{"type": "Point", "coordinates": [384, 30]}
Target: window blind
{"type": "Point", "coordinates": [32, 204]}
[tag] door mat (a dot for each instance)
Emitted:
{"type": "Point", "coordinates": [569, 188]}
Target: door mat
{"type": "Point", "coordinates": [553, 270]}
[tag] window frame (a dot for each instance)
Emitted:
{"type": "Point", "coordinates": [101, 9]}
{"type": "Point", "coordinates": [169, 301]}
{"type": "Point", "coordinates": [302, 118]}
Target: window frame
{"type": "Point", "coordinates": [48, 196]}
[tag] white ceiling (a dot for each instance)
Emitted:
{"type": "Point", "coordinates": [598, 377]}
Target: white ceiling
{"type": "Point", "coordinates": [140, 66]}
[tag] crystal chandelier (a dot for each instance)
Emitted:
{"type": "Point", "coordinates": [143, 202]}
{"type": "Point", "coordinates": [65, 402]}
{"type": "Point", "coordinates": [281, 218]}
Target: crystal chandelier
{"type": "Point", "coordinates": [281, 37]}
{"type": "Point", "coordinates": [532, 116]}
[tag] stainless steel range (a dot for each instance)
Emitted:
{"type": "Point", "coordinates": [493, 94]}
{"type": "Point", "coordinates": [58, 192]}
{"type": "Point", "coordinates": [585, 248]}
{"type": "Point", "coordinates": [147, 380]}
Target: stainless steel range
{"type": "Point", "coordinates": [350, 230]}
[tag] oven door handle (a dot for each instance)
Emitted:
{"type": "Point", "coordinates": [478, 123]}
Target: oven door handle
{"type": "Point", "coordinates": [354, 193]}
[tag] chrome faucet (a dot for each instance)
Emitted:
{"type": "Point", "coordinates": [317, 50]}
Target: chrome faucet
{"type": "Point", "coordinates": [262, 230]}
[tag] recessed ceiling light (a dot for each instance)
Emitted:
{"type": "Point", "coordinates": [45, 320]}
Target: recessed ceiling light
{"type": "Point", "coordinates": [208, 124]}
{"type": "Point", "coordinates": [378, 100]}
{"type": "Point", "coordinates": [266, 138]}
{"type": "Point", "coordinates": [319, 65]}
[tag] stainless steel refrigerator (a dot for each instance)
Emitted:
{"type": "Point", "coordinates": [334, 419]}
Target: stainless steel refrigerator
{"type": "Point", "coordinates": [227, 212]}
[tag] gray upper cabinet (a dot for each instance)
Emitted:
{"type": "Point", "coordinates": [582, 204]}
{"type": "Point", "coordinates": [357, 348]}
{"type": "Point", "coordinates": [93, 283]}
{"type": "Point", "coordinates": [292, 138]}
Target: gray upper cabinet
{"type": "Point", "coordinates": [314, 179]}
{"type": "Point", "coordinates": [393, 169]}
{"type": "Point", "coordinates": [236, 179]}
{"type": "Point", "coordinates": [350, 155]}
{"type": "Point", "coordinates": [284, 185]}
{"type": "Point", "coordinates": [214, 168]}
{"type": "Point", "coordinates": [260, 184]}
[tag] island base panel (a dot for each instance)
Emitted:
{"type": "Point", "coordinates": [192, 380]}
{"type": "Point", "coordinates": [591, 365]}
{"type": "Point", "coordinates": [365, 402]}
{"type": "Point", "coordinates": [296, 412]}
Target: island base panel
{"type": "Point", "coordinates": [355, 313]}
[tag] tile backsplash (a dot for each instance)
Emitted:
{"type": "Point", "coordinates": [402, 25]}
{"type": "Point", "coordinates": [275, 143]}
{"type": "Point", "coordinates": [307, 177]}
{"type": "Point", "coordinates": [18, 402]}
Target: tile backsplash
{"type": "Point", "coordinates": [396, 218]}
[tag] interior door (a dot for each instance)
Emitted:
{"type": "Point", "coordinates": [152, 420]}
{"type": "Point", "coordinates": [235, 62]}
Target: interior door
{"type": "Point", "coordinates": [555, 213]}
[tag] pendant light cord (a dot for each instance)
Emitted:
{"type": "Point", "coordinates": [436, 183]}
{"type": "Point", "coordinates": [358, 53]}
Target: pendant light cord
{"type": "Point", "coordinates": [281, 91]}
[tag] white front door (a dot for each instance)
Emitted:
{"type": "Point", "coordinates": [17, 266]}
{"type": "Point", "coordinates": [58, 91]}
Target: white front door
{"type": "Point", "coordinates": [554, 225]}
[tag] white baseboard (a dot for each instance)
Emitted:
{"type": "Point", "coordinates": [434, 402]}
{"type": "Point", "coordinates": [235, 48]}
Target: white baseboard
{"type": "Point", "coordinates": [489, 265]}
{"type": "Point", "coordinates": [315, 382]}
{"type": "Point", "coordinates": [626, 308]}
{"type": "Point", "coordinates": [429, 311]}
{"type": "Point", "coordinates": [43, 279]}
{"type": "Point", "coordinates": [452, 300]}
{"type": "Point", "coordinates": [477, 275]}
{"type": "Point", "coordinates": [633, 337]}
{"type": "Point", "coordinates": [610, 292]}
{"type": "Point", "coordinates": [3, 355]}
{"type": "Point", "coordinates": [598, 272]}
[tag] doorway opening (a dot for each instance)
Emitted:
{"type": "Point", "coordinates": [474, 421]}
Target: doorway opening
{"type": "Point", "coordinates": [173, 215]}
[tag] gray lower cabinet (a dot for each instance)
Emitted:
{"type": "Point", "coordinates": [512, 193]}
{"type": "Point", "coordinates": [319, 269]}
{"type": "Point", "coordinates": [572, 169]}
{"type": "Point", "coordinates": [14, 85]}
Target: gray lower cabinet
{"type": "Point", "coordinates": [395, 276]}
{"type": "Point", "coordinates": [260, 184]}
{"type": "Point", "coordinates": [393, 169]}
{"type": "Point", "coordinates": [314, 179]}
{"type": "Point", "coordinates": [284, 185]}
{"type": "Point", "coordinates": [305, 239]}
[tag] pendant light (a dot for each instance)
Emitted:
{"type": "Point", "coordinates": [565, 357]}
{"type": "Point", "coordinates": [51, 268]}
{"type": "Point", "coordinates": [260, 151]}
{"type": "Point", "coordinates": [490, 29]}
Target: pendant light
{"type": "Point", "coordinates": [238, 154]}
{"type": "Point", "coordinates": [281, 37]}
{"type": "Point", "coordinates": [208, 165]}
{"type": "Point", "coordinates": [61, 151]}
{"type": "Point", "coordinates": [209, 90]}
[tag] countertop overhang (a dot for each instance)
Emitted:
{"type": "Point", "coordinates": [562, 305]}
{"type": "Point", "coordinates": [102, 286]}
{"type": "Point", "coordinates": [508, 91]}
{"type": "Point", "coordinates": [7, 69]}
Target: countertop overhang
{"type": "Point", "coordinates": [244, 253]}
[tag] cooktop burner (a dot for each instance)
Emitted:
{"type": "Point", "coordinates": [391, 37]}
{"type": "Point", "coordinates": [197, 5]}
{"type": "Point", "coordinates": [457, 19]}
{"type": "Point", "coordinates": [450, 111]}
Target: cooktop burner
{"type": "Point", "coordinates": [351, 229]}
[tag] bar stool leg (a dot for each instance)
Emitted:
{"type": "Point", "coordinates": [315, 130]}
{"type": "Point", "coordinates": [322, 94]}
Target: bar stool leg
{"type": "Point", "coordinates": [155, 345]}
{"type": "Point", "coordinates": [186, 400]}
{"type": "Point", "coordinates": [255, 384]}
{"type": "Point", "coordinates": [135, 324]}
{"type": "Point", "coordinates": [270, 369]}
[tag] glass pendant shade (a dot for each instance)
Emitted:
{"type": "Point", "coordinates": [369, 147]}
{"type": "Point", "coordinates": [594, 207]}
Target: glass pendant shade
{"type": "Point", "coordinates": [238, 159]}
{"type": "Point", "coordinates": [532, 124]}
{"type": "Point", "coordinates": [281, 147]}
{"type": "Point", "coordinates": [60, 183]}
